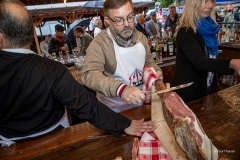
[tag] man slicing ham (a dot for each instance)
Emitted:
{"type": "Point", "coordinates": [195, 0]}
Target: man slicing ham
{"type": "Point", "coordinates": [115, 59]}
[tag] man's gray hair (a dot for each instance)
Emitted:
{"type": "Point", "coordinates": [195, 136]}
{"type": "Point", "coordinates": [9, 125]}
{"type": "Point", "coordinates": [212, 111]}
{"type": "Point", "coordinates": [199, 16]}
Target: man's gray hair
{"type": "Point", "coordinates": [172, 7]}
{"type": "Point", "coordinates": [97, 21]}
{"type": "Point", "coordinates": [137, 16]}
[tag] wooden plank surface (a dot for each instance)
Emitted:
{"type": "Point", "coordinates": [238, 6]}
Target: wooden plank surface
{"type": "Point", "coordinates": [72, 143]}
{"type": "Point", "coordinates": [220, 122]}
{"type": "Point", "coordinates": [163, 132]}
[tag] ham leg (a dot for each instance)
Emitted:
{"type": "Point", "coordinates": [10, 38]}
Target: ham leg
{"type": "Point", "coordinates": [187, 130]}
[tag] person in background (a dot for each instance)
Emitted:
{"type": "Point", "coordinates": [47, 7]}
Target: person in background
{"type": "Point", "coordinates": [83, 27]}
{"type": "Point", "coordinates": [220, 16]}
{"type": "Point", "coordinates": [98, 23]}
{"type": "Point", "coordinates": [59, 42]}
{"type": "Point", "coordinates": [140, 26]}
{"type": "Point", "coordinates": [233, 16]}
{"type": "Point", "coordinates": [116, 59]}
{"type": "Point", "coordinates": [197, 49]}
{"type": "Point", "coordinates": [147, 18]}
{"type": "Point", "coordinates": [83, 40]}
{"type": "Point", "coordinates": [154, 27]}
{"type": "Point", "coordinates": [34, 90]}
{"type": "Point", "coordinates": [44, 46]}
{"type": "Point", "coordinates": [171, 21]}
{"type": "Point", "coordinates": [145, 11]}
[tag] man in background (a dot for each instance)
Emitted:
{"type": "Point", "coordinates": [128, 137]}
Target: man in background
{"type": "Point", "coordinates": [171, 21]}
{"type": "Point", "coordinates": [154, 27]}
{"type": "Point", "coordinates": [34, 90]}
{"type": "Point", "coordinates": [233, 16]}
{"type": "Point", "coordinates": [44, 46]}
{"type": "Point", "coordinates": [140, 26]}
{"type": "Point", "coordinates": [83, 39]}
{"type": "Point", "coordinates": [59, 41]}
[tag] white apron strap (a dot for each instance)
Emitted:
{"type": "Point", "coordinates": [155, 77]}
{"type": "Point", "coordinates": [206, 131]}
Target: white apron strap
{"type": "Point", "coordinates": [63, 122]}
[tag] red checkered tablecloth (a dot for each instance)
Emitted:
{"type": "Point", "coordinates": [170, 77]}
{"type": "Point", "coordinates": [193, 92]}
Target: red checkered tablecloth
{"type": "Point", "coordinates": [149, 148]}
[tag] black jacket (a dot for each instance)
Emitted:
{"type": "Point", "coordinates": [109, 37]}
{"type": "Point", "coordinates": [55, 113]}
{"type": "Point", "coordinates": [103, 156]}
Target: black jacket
{"type": "Point", "coordinates": [141, 29]}
{"type": "Point", "coordinates": [172, 24]}
{"type": "Point", "coordinates": [193, 65]}
{"type": "Point", "coordinates": [34, 91]}
{"type": "Point", "coordinates": [54, 45]}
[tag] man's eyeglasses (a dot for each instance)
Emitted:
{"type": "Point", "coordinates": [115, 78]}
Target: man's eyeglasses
{"type": "Point", "coordinates": [120, 21]}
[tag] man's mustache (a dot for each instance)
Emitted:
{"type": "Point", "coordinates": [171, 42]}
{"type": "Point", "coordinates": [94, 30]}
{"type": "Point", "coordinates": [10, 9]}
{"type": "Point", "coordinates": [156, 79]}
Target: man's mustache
{"type": "Point", "coordinates": [127, 28]}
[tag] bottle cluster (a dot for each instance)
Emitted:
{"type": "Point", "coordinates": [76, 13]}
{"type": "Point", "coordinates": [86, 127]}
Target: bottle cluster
{"type": "Point", "coordinates": [163, 48]}
{"type": "Point", "coordinates": [228, 34]}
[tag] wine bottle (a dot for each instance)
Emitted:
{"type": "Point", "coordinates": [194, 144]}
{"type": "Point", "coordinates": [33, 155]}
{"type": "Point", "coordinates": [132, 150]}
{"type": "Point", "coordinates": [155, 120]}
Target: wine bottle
{"type": "Point", "coordinates": [170, 47]}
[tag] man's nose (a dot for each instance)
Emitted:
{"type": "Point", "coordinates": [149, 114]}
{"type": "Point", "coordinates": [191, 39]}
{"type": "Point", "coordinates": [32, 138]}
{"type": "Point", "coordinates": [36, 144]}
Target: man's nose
{"type": "Point", "coordinates": [125, 22]}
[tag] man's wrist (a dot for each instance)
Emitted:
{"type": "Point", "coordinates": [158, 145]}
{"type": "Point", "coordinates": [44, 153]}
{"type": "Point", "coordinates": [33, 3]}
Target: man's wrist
{"type": "Point", "coordinates": [121, 89]}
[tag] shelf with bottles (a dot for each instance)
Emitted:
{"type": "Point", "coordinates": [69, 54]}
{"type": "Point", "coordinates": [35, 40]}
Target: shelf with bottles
{"type": "Point", "coordinates": [230, 32]}
{"type": "Point", "coordinates": [162, 48]}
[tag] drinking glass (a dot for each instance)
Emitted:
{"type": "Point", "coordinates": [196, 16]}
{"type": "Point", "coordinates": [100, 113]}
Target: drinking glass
{"type": "Point", "coordinates": [61, 54]}
{"type": "Point", "coordinates": [81, 58]}
{"type": "Point", "coordinates": [67, 53]}
{"type": "Point", "coordinates": [75, 52]}
{"type": "Point", "coordinates": [54, 55]}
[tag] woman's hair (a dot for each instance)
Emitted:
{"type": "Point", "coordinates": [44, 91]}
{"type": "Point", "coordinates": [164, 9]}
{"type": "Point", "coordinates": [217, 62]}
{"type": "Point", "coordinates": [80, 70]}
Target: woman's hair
{"type": "Point", "coordinates": [192, 12]}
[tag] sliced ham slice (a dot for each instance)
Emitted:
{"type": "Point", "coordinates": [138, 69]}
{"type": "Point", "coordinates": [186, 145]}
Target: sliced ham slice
{"type": "Point", "coordinates": [135, 149]}
{"type": "Point", "coordinates": [187, 129]}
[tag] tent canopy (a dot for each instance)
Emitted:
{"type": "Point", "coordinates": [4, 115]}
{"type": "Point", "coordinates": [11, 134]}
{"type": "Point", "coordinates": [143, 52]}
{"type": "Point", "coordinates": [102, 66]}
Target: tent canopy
{"type": "Point", "coordinates": [226, 1]}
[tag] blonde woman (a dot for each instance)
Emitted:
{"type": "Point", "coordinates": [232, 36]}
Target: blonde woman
{"type": "Point", "coordinates": [98, 23]}
{"type": "Point", "coordinates": [197, 49]}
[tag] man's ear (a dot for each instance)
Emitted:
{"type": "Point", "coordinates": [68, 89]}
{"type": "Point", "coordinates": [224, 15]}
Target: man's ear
{"type": "Point", "coordinates": [1, 37]}
{"type": "Point", "coordinates": [106, 19]}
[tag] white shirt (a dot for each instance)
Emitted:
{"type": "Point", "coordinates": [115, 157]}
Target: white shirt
{"type": "Point", "coordinates": [96, 31]}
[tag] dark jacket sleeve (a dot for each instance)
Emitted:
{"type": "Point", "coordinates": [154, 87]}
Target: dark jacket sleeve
{"type": "Point", "coordinates": [166, 24]}
{"type": "Point", "coordinates": [86, 41]}
{"type": "Point", "coordinates": [192, 45]}
{"type": "Point", "coordinates": [86, 106]}
{"type": "Point", "coordinates": [51, 46]}
{"type": "Point", "coordinates": [69, 44]}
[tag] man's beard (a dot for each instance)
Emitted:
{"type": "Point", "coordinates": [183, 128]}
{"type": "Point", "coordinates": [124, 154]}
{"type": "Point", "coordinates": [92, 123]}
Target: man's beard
{"type": "Point", "coordinates": [124, 35]}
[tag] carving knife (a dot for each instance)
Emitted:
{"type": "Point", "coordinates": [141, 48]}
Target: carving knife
{"type": "Point", "coordinates": [169, 89]}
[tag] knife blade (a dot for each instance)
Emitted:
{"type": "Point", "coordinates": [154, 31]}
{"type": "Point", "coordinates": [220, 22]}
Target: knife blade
{"type": "Point", "coordinates": [169, 89]}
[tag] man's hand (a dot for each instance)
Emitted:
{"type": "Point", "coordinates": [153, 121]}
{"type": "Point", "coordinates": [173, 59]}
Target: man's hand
{"type": "Point", "coordinates": [160, 75]}
{"type": "Point", "coordinates": [133, 95]}
{"type": "Point", "coordinates": [139, 126]}
{"type": "Point", "coordinates": [65, 48]}
{"type": "Point", "coordinates": [235, 64]}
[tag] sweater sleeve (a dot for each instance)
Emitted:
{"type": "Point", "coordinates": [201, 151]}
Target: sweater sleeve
{"type": "Point", "coordinates": [93, 72]}
{"type": "Point", "coordinates": [86, 106]}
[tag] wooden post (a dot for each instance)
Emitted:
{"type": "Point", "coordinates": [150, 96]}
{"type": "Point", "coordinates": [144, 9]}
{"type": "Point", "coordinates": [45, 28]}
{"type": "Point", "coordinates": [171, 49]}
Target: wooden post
{"type": "Point", "coordinates": [163, 132]}
{"type": "Point", "coordinates": [41, 32]}
{"type": "Point", "coordinates": [36, 41]}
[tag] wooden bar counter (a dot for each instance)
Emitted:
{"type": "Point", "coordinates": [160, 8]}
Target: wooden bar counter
{"type": "Point", "coordinates": [229, 50]}
{"type": "Point", "coordinates": [220, 121]}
